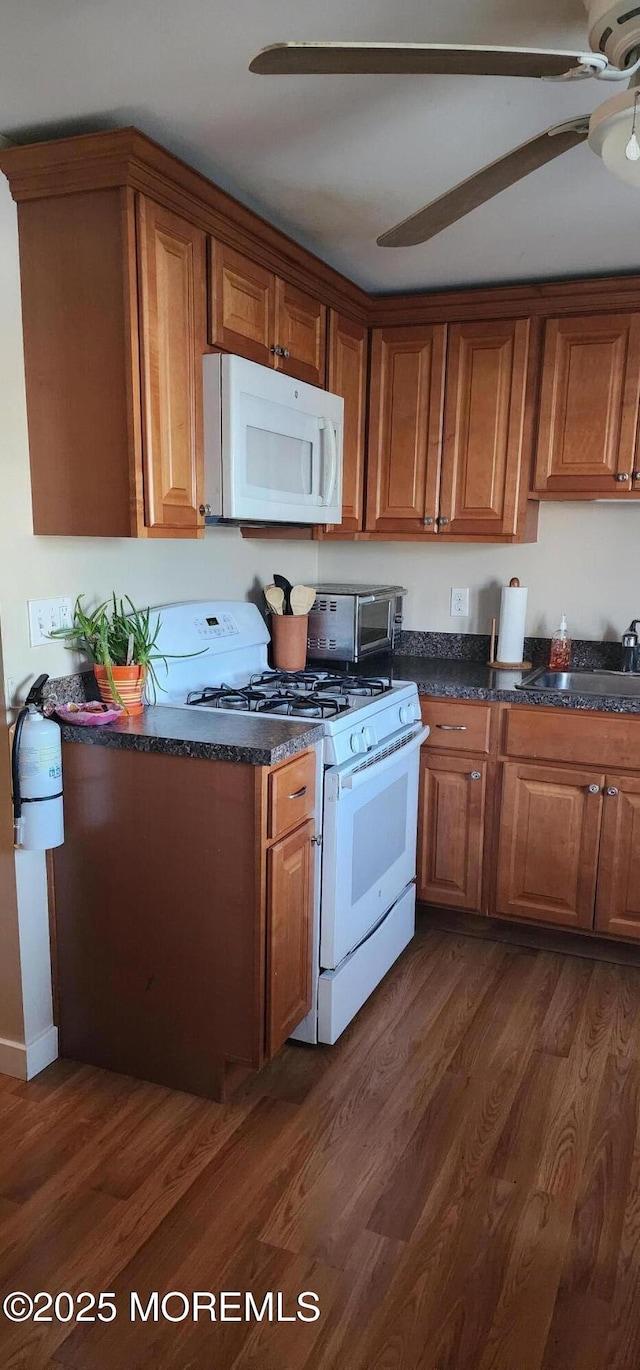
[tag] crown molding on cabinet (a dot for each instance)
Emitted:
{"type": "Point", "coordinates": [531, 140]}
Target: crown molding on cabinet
{"type": "Point", "coordinates": [127, 157]}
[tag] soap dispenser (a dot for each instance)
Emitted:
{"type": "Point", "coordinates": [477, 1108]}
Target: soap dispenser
{"type": "Point", "coordinates": [560, 658]}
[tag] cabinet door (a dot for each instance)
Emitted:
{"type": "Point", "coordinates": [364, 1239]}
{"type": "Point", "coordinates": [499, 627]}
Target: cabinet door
{"type": "Point", "coordinates": [172, 328]}
{"type": "Point", "coordinates": [486, 455]}
{"type": "Point", "coordinates": [549, 835]}
{"type": "Point", "coordinates": [301, 334]}
{"type": "Point", "coordinates": [405, 436]}
{"type": "Point", "coordinates": [347, 376]}
{"type": "Point", "coordinates": [289, 925]}
{"type": "Point", "coordinates": [589, 404]}
{"type": "Point", "coordinates": [618, 904]}
{"type": "Point", "coordinates": [451, 819]}
{"type": "Point", "coordinates": [241, 305]}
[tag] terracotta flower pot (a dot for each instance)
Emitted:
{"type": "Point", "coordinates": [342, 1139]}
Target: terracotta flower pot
{"type": "Point", "coordinates": [289, 641]}
{"type": "Point", "coordinates": [129, 682]}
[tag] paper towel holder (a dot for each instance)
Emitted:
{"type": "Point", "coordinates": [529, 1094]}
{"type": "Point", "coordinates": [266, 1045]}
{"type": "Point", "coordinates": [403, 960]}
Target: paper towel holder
{"type": "Point", "coordinates": [514, 583]}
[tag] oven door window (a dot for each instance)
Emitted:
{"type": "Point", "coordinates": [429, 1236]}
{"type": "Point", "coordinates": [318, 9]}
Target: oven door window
{"type": "Point", "coordinates": [374, 625]}
{"type": "Point", "coordinates": [369, 852]}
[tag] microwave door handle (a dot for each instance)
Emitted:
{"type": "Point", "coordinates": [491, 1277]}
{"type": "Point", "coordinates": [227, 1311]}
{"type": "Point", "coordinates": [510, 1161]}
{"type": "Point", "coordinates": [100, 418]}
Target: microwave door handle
{"type": "Point", "coordinates": [329, 441]}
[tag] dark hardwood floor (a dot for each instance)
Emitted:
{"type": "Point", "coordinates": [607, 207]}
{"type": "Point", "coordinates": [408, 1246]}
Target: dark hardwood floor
{"type": "Point", "coordinates": [458, 1180]}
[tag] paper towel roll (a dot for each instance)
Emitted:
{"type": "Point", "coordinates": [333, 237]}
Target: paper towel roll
{"type": "Point", "coordinates": [513, 612]}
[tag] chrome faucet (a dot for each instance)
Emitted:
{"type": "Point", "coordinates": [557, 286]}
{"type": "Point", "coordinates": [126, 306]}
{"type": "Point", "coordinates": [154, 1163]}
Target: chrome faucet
{"type": "Point", "coordinates": [631, 648]}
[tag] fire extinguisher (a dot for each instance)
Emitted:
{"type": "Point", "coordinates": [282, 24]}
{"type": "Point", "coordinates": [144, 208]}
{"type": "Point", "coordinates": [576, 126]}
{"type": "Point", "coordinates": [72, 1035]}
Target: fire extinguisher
{"type": "Point", "coordinates": [36, 774]}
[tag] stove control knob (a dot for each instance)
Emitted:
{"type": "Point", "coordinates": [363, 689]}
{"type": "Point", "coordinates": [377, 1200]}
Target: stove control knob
{"type": "Point", "coordinates": [358, 743]}
{"type": "Point", "coordinates": [369, 738]}
{"type": "Point", "coordinates": [407, 713]}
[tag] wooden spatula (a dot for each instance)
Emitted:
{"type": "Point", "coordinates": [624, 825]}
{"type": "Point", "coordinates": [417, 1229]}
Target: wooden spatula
{"type": "Point", "coordinates": [302, 599]}
{"type": "Point", "coordinates": [275, 598]}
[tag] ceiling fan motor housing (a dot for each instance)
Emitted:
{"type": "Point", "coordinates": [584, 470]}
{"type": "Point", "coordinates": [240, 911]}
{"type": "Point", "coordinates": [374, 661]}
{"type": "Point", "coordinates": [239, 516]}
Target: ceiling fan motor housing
{"type": "Point", "coordinates": [614, 30]}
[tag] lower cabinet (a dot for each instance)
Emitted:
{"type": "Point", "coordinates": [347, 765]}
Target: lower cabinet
{"type": "Point", "coordinates": [289, 925]}
{"type": "Point", "coordinates": [452, 811]}
{"type": "Point", "coordinates": [520, 816]}
{"type": "Point", "coordinates": [548, 845]}
{"type": "Point", "coordinates": [618, 901]}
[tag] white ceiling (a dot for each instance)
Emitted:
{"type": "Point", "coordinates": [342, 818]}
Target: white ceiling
{"type": "Point", "coordinates": [335, 160]}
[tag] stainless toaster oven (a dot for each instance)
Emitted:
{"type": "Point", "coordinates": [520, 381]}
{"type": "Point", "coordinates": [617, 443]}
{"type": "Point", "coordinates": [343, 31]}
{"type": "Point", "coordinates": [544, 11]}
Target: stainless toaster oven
{"type": "Point", "coordinates": [351, 622]}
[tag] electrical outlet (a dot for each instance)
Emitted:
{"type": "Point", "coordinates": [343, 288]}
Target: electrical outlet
{"type": "Point", "coordinates": [45, 615]}
{"type": "Point", "coordinates": [459, 604]}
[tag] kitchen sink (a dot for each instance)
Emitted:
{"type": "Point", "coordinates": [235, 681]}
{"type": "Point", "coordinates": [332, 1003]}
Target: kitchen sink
{"type": "Point", "coordinates": [583, 682]}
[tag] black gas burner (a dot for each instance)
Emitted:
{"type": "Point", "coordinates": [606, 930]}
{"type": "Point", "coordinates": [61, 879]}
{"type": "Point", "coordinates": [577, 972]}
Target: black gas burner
{"type": "Point", "coordinates": [365, 686]}
{"type": "Point", "coordinates": [306, 705]}
{"type": "Point", "coordinates": [226, 697]}
{"type": "Point", "coordinates": [289, 680]}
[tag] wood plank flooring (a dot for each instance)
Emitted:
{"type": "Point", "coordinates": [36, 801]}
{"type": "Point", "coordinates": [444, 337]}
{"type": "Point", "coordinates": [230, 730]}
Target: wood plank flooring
{"type": "Point", "coordinates": [458, 1181]}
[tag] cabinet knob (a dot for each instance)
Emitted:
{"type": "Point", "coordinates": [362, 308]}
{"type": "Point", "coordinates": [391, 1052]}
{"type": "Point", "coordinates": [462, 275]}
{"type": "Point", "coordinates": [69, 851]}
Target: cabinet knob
{"type": "Point", "coordinates": [427, 522]}
{"type": "Point", "coordinates": [475, 775]}
{"type": "Point", "coordinates": [316, 841]}
{"type": "Point", "coordinates": [635, 475]}
{"type": "Point", "coordinates": [442, 521]}
{"type": "Point", "coordinates": [622, 477]}
{"type": "Point", "coordinates": [612, 791]}
{"type": "Point", "coordinates": [593, 789]}
{"type": "Point", "coordinates": [277, 351]}
{"type": "Point", "coordinates": [284, 352]}
{"type": "Point", "coordinates": [204, 509]}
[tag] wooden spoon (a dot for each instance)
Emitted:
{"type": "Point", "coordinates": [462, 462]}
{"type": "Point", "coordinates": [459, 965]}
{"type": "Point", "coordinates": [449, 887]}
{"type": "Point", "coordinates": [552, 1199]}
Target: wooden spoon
{"type": "Point", "coordinates": [302, 599]}
{"type": "Point", "coordinates": [275, 598]}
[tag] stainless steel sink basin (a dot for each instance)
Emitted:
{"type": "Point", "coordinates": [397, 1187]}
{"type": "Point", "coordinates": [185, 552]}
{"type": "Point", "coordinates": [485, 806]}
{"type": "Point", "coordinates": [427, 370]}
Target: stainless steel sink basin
{"type": "Point", "coordinates": [583, 682]}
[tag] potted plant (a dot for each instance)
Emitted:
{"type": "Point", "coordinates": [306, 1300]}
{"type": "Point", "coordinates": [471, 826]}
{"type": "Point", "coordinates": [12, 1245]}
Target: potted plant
{"type": "Point", "coordinates": [120, 640]}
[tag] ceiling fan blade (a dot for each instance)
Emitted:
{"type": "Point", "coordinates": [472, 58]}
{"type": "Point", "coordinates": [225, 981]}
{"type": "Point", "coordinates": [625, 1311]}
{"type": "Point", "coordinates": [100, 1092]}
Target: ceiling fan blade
{"type": "Point", "coordinates": [423, 59]}
{"type": "Point", "coordinates": [476, 190]}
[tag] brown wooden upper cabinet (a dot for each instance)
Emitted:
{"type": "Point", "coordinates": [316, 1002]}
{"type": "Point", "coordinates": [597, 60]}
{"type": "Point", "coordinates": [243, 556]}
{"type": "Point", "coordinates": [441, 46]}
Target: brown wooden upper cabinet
{"type": "Point", "coordinates": [589, 407]}
{"type": "Point", "coordinates": [405, 428]}
{"type": "Point", "coordinates": [256, 314]}
{"type": "Point", "coordinates": [171, 291]}
{"type": "Point", "coordinates": [347, 375]}
{"type": "Point", "coordinates": [114, 328]}
{"type": "Point", "coordinates": [450, 430]}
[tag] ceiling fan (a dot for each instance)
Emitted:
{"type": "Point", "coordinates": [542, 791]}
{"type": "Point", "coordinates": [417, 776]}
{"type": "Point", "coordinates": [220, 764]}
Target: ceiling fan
{"type": "Point", "coordinates": [614, 38]}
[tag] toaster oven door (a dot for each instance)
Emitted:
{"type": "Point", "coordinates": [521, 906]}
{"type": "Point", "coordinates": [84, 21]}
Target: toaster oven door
{"type": "Point", "coordinates": [374, 626]}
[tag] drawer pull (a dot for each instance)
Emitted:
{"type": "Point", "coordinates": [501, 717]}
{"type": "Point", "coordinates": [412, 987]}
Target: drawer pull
{"type": "Point", "coordinates": [299, 794]}
{"type": "Point", "coordinates": [593, 789]}
{"type": "Point", "coordinates": [452, 727]}
{"type": "Point", "coordinates": [612, 791]}
{"type": "Point", "coordinates": [475, 775]}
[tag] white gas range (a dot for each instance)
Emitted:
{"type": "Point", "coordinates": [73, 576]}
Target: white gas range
{"type": "Point", "coordinates": [367, 789]}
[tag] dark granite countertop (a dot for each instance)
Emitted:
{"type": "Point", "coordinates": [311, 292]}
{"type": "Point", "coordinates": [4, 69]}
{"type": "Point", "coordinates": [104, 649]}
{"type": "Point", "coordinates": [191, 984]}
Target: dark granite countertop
{"type": "Point", "coordinates": [204, 734]}
{"type": "Point", "coordinates": [456, 679]}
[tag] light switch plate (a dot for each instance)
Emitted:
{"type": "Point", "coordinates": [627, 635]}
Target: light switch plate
{"type": "Point", "coordinates": [45, 615]}
{"type": "Point", "coordinates": [459, 604]}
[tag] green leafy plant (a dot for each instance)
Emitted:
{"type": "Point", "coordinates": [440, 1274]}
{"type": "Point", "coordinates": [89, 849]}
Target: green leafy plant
{"type": "Point", "coordinates": [115, 633]}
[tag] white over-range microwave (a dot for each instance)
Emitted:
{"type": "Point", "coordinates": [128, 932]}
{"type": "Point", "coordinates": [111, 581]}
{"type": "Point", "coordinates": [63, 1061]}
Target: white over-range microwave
{"type": "Point", "coordinates": [273, 446]}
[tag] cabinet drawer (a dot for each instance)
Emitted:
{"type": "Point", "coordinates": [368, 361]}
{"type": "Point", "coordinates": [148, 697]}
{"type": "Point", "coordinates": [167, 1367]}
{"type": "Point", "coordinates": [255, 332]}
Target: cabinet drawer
{"type": "Point", "coordinates": [457, 726]}
{"type": "Point", "coordinates": [291, 794]}
{"type": "Point", "coordinates": [582, 738]}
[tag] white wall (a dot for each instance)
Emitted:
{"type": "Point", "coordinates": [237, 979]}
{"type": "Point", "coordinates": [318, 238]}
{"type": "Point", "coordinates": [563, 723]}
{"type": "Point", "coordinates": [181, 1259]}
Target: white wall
{"type": "Point", "coordinates": [586, 563]}
{"type": "Point", "coordinates": [222, 565]}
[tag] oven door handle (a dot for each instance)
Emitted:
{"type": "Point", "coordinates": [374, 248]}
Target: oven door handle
{"type": "Point", "coordinates": [357, 777]}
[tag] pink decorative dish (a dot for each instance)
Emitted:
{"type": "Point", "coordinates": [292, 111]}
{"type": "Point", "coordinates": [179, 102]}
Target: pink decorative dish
{"type": "Point", "coordinates": [89, 714]}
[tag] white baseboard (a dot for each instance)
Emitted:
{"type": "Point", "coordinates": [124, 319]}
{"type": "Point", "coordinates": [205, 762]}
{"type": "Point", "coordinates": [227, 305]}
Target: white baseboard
{"type": "Point", "coordinates": [13, 1058]}
{"type": "Point", "coordinates": [42, 1051]}
{"type": "Point", "coordinates": [24, 1061]}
